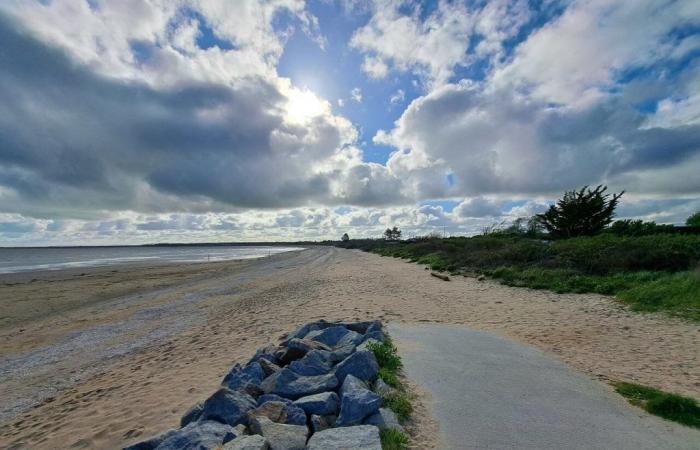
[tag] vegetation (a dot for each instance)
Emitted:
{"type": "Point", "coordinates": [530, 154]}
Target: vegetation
{"type": "Point", "coordinates": [654, 272]}
{"type": "Point", "coordinates": [390, 366]}
{"type": "Point", "coordinates": [392, 234]}
{"type": "Point", "coordinates": [669, 406]}
{"type": "Point", "coordinates": [345, 237]}
{"type": "Point", "coordinates": [393, 440]}
{"type": "Point", "coordinates": [584, 212]}
{"type": "Point", "coordinates": [694, 220]}
{"type": "Point", "coordinates": [638, 228]}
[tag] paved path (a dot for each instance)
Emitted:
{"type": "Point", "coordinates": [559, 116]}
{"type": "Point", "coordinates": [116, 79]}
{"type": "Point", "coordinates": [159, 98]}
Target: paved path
{"type": "Point", "coordinates": [491, 393]}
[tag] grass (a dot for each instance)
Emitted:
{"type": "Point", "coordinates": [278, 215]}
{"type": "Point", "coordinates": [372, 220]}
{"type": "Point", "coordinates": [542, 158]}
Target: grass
{"type": "Point", "coordinates": [390, 366]}
{"type": "Point", "coordinates": [657, 272]}
{"type": "Point", "coordinates": [393, 440]}
{"type": "Point", "coordinates": [673, 407]}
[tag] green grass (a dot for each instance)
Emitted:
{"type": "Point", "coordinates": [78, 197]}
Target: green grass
{"type": "Point", "coordinates": [673, 407]}
{"type": "Point", "coordinates": [393, 440]}
{"type": "Point", "coordinates": [400, 403]}
{"type": "Point", "coordinates": [390, 366]}
{"type": "Point", "coordinates": [677, 294]}
{"type": "Point", "coordinates": [389, 377]}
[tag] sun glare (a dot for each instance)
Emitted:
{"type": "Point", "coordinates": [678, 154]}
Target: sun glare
{"type": "Point", "coordinates": [304, 105]}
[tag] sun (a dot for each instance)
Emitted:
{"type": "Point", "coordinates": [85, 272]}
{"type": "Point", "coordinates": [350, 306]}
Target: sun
{"type": "Point", "coordinates": [304, 105]}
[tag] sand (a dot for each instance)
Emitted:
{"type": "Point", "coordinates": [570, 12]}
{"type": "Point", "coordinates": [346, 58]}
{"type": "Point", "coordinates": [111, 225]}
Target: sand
{"type": "Point", "coordinates": [109, 357]}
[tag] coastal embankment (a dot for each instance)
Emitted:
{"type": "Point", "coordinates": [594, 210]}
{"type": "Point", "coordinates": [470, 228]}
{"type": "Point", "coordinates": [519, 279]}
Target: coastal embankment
{"type": "Point", "coordinates": [98, 358]}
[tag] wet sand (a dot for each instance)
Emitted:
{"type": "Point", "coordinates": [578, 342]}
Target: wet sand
{"type": "Point", "coordinates": [104, 357]}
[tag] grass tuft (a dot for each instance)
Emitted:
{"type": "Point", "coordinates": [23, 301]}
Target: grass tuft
{"type": "Point", "coordinates": [393, 440]}
{"type": "Point", "coordinates": [674, 407]}
{"type": "Point", "coordinates": [386, 356]}
{"type": "Point", "coordinates": [400, 403]}
{"type": "Point", "coordinates": [389, 377]}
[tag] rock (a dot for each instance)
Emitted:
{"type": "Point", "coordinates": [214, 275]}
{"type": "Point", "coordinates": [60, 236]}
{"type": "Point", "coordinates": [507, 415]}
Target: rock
{"type": "Point", "coordinates": [192, 414]}
{"type": "Point", "coordinates": [227, 406]}
{"type": "Point", "coordinates": [240, 429]}
{"type": "Point", "coordinates": [362, 365]}
{"type": "Point", "coordinates": [305, 329]}
{"type": "Point", "coordinates": [267, 353]}
{"type": "Point", "coordinates": [383, 389]}
{"type": "Point", "coordinates": [279, 412]}
{"type": "Point", "coordinates": [254, 442]}
{"type": "Point", "coordinates": [362, 437]}
{"type": "Point", "coordinates": [335, 336]}
{"type": "Point", "coordinates": [272, 398]}
{"type": "Point", "coordinates": [357, 402]}
{"type": "Point", "coordinates": [316, 362]}
{"type": "Point", "coordinates": [292, 385]}
{"type": "Point", "coordinates": [242, 378]}
{"type": "Point", "coordinates": [320, 423]}
{"type": "Point", "coordinates": [341, 353]}
{"type": "Point", "coordinates": [306, 345]}
{"type": "Point", "coordinates": [281, 437]}
{"type": "Point", "coordinates": [374, 327]}
{"type": "Point", "coordinates": [376, 335]}
{"type": "Point", "coordinates": [322, 404]}
{"type": "Point", "coordinates": [384, 419]}
{"type": "Point", "coordinates": [202, 435]}
{"type": "Point", "coordinates": [151, 443]}
{"type": "Point", "coordinates": [362, 327]}
{"type": "Point", "coordinates": [285, 355]}
{"type": "Point", "coordinates": [268, 367]}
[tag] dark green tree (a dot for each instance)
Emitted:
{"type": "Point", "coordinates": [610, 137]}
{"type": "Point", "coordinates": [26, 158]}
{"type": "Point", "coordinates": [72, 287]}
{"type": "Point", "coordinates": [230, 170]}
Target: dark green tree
{"type": "Point", "coordinates": [694, 220]}
{"type": "Point", "coordinates": [345, 237]}
{"type": "Point", "coordinates": [584, 212]}
{"type": "Point", "coordinates": [392, 234]}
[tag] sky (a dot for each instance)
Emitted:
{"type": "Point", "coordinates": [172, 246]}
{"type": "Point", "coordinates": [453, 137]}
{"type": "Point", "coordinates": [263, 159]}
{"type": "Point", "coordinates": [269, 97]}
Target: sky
{"type": "Point", "coordinates": [141, 121]}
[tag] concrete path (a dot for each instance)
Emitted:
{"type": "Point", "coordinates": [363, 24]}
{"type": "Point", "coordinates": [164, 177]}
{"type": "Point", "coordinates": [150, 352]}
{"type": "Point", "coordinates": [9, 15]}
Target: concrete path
{"type": "Point", "coordinates": [491, 393]}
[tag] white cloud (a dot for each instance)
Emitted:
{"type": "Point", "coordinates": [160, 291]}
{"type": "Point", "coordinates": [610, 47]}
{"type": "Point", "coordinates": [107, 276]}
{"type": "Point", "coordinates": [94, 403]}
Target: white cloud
{"type": "Point", "coordinates": [398, 97]}
{"type": "Point", "coordinates": [356, 94]}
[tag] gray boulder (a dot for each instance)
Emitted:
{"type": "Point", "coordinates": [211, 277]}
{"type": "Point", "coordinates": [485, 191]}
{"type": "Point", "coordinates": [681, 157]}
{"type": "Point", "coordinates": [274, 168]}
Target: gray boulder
{"type": "Point", "coordinates": [384, 419]}
{"type": "Point", "coordinates": [272, 398]}
{"type": "Point", "coordinates": [246, 378]}
{"type": "Point", "coordinates": [315, 362]}
{"type": "Point", "coordinates": [151, 443]}
{"type": "Point", "coordinates": [357, 402]}
{"type": "Point", "coordinates": [377, 335]}
{"type": "Point", "coordinates": [362, 327]}
{"type": "Point", "coordinates": [306, 345]}
{"type": "Point", "coordinates": [192, 414]}
{"type": "Point", "coordinates": [335, 336]}
{"type": "Point", "coordinates": [268, 367]}
{"type": "Point", "coordinates": [280, 436]}
{"type": "Point", "coordinates": [362, 365]}
{"type": "Point", "coordinates": [343, 352]}
{"type": "Point", "coordinates": [362, 437]}
{"type": "Point", "coordinates": [267, 352]}
{"type": "Point", "coordinates": [305, 329]}
{"type": "Point", "coordinates": [279, 412]}
{"type": "Point", "coordinates": [254, 442]}
{"type": "Point", "coordinates": [227, 406]}
{"type": "Point", "coordinates": [289, 384]}
{"type": "Point", "coordinates": [320, 423]}
{"type": "Point", "coordinates": [198, 436]}
{"type": "Point", "coordinates": [322, 404]}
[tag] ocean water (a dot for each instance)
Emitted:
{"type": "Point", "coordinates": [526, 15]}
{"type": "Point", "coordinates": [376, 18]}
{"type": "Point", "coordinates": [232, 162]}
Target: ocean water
{"type": "Point", "coordinates": [14, 260]}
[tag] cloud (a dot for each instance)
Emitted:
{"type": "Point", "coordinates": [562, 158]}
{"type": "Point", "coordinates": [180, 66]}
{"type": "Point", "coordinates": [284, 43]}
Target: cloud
{"type": "Point", "coordinates": [97, 143]}
{"type": "Point", "coordinates": [356, 95]}
{"type": "Point", "coordinates": [398, 97]}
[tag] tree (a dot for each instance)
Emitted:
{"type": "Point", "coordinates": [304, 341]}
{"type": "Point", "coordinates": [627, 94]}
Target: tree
{"type": "Point", "coordinates": [345, 237]}
{"type": "Point", "coordinates": [584, 212]}
{"type": "Point", "coordinates": [392, 234]}
{"type": "Point", "coordinates": [694, 220]}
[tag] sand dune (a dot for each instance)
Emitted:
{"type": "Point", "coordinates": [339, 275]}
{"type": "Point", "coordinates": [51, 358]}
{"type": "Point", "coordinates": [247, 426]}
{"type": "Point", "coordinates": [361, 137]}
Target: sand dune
{"type": "Point", "coordinates": [103, 359]}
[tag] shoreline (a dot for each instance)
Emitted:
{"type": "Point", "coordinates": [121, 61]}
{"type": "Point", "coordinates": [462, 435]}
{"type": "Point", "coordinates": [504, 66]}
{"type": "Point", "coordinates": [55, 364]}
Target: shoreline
{"type": "Point", "coordinates": [140, 391]}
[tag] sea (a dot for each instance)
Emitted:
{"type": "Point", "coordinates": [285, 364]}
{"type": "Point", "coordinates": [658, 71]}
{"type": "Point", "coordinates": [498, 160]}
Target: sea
{"type": "Point", "coordinates": [29, 259]}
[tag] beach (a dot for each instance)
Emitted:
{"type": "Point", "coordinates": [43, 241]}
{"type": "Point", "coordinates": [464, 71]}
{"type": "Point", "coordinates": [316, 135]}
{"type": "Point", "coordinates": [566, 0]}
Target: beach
{"type": "Point", "coordinates": [100, 358]}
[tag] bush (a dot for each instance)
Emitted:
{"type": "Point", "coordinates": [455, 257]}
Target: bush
{"type": "Point", "coordinates": [386, 356]}
{"type": "Point", "coordinates": [638, 228]}
{"type": "Point", "coordinates": [694, 220]}
{"type": "Point", "coordinates": [584, 212]}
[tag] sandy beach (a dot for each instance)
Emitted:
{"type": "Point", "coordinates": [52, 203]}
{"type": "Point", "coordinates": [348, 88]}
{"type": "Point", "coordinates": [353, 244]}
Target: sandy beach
{"type": "Point", "coordinates": [99, 358]}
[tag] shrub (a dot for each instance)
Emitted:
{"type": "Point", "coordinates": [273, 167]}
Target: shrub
{"type": "Point", "coordinates": [638, 228]}
{"type": "Point", "coordinates": [584, 212]}
{"type": "Point", "coordinates": [694, 220]}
